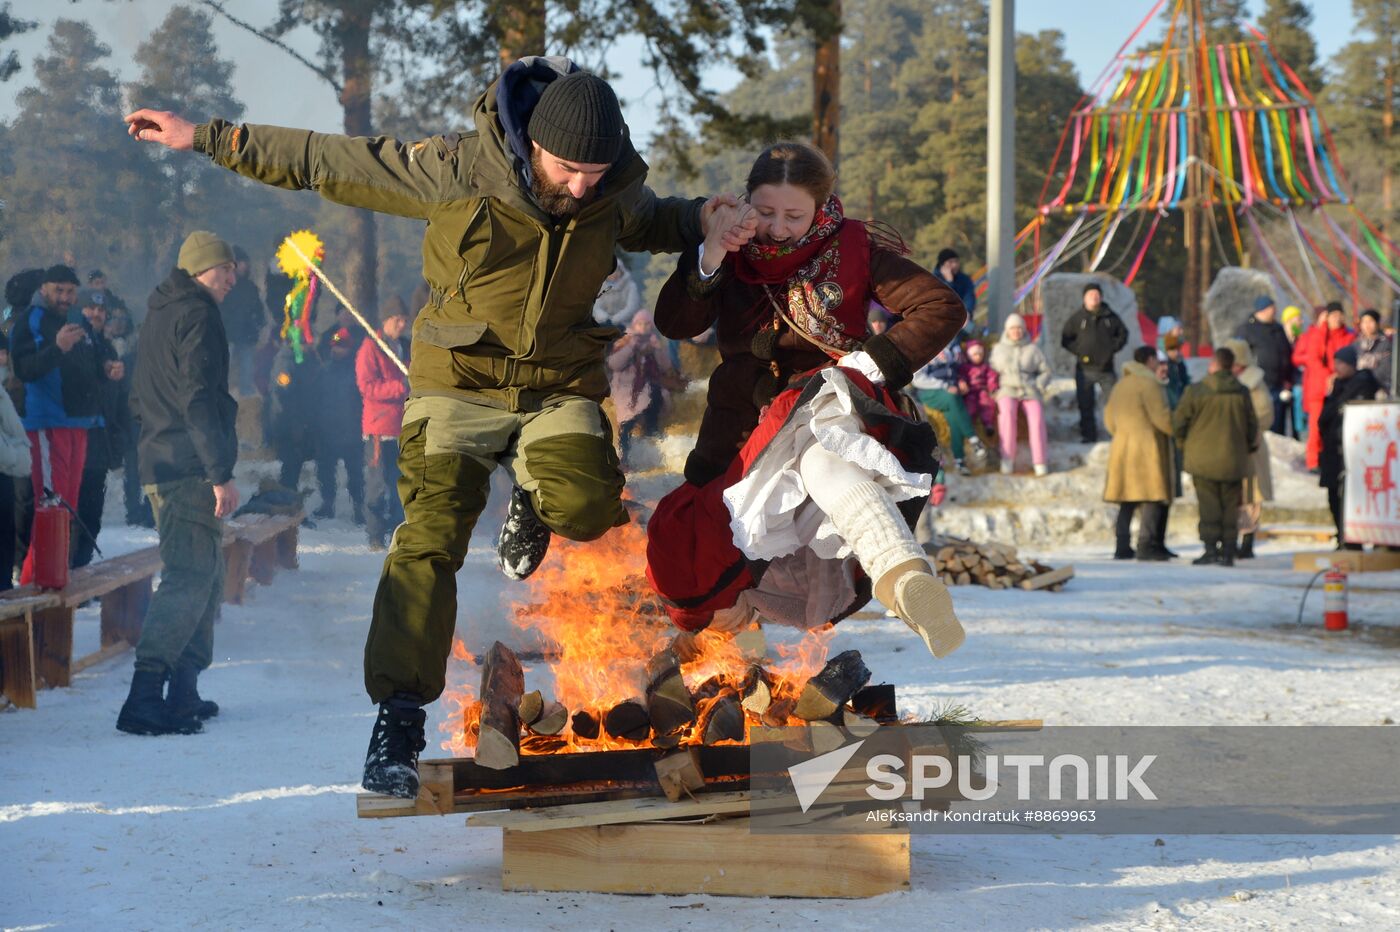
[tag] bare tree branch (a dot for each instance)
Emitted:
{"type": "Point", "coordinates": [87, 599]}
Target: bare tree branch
{"type": "Point", "coordinates": [324, 74]}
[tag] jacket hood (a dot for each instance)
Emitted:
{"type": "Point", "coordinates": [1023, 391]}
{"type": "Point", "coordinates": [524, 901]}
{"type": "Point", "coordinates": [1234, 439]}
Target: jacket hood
{"type": "Point", "coordinates": [1133, 367]}
{"type": "Point", "coordinates": [1251, 378]}
{"type": "Point", "coordinates": [178, 288]}
{"type": "Point", "coordinates": [502, 117]}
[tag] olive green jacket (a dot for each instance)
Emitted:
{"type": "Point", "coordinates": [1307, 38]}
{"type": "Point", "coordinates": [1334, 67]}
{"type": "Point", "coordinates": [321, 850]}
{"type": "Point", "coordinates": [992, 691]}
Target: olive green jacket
{"type": "Point", "coordinates": [510, 317]}
{"type": "Point", "coordinates": [1217, 428]}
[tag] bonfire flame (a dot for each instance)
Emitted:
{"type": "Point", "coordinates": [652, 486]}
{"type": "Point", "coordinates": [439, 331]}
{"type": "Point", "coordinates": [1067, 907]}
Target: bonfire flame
{"type": "Point", "coordinates": [592, 604]}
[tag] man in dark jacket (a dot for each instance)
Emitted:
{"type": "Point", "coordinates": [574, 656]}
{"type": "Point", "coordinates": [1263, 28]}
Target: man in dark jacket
{"type": "Point", "coordinates": [245, 318]}
{"type": "Point", "coordinates": [105, 441]}
{"type": "Point", "coordinates": [1349, 384]}
{"type": "Point", "coordinates": [63, 377]}
{"type": "Point", "coordinates": [949, 268]}
{"type": "Point", "coordinates": [1093, 334]}
{"type": "Point", "coordinates": [1216, 426]}
{"type": "Point", "coordinates": [1274, 354]}
{"type": "Point", "coordinates": [179, 397]}
{"type": "Point", "coordinates": [337, 422]}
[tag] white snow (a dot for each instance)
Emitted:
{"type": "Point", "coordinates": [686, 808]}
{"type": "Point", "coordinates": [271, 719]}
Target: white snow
{"type": "Point", "coordinates": [252, 824]}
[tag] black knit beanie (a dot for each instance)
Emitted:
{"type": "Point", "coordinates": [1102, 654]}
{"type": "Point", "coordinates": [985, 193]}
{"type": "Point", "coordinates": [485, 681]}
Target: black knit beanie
{"type": "Point", "coordinates": [943, 256]}
{"type": "Point", "coordinates": [1093, 286]}
{"type": "Point", "coordinates": [578, 119]}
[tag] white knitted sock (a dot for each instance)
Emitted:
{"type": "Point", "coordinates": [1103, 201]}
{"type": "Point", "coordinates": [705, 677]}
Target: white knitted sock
{"type": "Point", "coordinates": [864, 513]}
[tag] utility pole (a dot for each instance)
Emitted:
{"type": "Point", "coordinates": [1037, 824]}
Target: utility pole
{"type": "Point", "coordinates": [1193, 214]}
{"type": "Point", "coordinates": [1001, 164]}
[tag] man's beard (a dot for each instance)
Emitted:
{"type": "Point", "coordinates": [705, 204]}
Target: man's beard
{"type": "Point", "coordinates": [555, 199]}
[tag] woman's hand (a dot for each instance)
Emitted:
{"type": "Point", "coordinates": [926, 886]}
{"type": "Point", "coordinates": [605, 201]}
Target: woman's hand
{"type": "Point", "coordinates": [731, 226]}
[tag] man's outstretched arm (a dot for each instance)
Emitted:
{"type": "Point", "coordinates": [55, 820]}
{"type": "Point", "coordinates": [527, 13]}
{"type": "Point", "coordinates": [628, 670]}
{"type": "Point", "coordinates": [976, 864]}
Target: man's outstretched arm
{"type": "Point", "coordinates": [373, 172]}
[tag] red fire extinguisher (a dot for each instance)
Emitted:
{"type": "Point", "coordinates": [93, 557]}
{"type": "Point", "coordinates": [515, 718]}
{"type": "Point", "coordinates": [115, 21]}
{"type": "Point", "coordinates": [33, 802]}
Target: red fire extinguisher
{"type": "Point", "coordinates": [50, 540]}
{"type": "Point", "coordinates": [1334, 599]}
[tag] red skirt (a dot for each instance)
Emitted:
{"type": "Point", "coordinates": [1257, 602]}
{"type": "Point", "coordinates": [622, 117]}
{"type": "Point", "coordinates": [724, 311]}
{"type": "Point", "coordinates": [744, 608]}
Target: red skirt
{"type": "Point", "coordinates": [693, 561]}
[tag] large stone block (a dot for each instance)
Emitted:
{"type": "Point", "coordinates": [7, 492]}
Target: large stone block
{"type": "Point", "coordinates": [1062, 294]}
{"type": "Point", "coordinates": [1230, 300]}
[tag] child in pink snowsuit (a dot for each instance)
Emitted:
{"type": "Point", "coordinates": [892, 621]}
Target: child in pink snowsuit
{"type": "Point", "coordinates": [979, 383]}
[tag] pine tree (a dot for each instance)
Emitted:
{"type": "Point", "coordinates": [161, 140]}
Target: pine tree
{"type": "Point", "coordinates": [76, 186]}
{"type": "Point", "coordinates": [1364, 99]}
{"type": "Point", "coordinates": [11, 26]}
{"type": "Point", "coordinates": [1285, 23]}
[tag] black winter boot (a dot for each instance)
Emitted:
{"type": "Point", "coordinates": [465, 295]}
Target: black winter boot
{"type": "Point", "coordinates": [145, 711]}
{"type": "Point", "coordinates": [1246, 551]}
{"type": "Point", "coordinates": [391, 764]}
{"type": "Point", "coordinates": [524, 539]}
{"type": "Point", "coordinates": [1210, 557]}
{"type": "Point", "coordinates": [183, 696]}
{"type": "Point", "coordinates": [1227, 553]}
{"type": "Point", "coordinates": [1124, 551]}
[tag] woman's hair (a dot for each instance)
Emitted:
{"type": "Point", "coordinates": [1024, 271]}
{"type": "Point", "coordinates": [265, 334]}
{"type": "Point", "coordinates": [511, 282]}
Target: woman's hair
{"type": "Point", "coordinates": [797, 164]}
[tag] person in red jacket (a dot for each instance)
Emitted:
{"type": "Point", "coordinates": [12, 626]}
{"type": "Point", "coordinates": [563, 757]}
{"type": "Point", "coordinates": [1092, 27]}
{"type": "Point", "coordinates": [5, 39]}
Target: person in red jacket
{"type": "Point", "coordinates": [383, 387]}
{"type": "Point", "coordinates": [1313, 352]}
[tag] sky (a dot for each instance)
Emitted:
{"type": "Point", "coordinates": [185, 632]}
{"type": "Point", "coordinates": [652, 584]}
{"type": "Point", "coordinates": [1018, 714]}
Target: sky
{"type": "Point", "coordinates": [278, 90]}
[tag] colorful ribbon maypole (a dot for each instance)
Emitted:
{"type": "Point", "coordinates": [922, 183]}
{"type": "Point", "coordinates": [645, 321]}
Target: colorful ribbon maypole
{"type": "Point", "coordinates": [296, 319]}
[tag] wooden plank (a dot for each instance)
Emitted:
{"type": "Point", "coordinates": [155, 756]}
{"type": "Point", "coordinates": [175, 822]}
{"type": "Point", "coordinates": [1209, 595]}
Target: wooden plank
{"type": "Point", "coordinates": [98, 579]}
{"type": "Point", "coordinates": [263, 566]}
{"type": "Point", "coordinates": [1353, 561]}
{"type": "Point", "coordinates": [434, 790]}
{"type": "Point", "coordinates": [613, 812]}
{"type": "Point", "coordinates": [287, 548]}
{"type": "Point", "coordinates": [1063, 574]}
{"type": "Point", "coordinates": [722, 858]}
{"type": "Point", "coordinates": [124, 611]}
{"type": "Point", "coordinates": [24, 600]}
{"type": "Point", "coordinates": [238, 558]}
{"type": "Point", "coordinates": [96, 657]}
{"type": "Point", "coordinates": [19, 679]}
{"type": "Point", "coordinates": [53, 646]}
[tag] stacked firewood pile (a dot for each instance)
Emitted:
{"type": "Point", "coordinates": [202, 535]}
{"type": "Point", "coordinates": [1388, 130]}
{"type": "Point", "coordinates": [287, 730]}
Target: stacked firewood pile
{"type": "Point", "coordinates": [961, 562]}
{"type": "Point", "coordinates": [666, 713]}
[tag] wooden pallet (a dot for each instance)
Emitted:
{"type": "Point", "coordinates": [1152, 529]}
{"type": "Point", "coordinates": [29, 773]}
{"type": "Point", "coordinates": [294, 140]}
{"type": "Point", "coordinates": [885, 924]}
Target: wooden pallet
{"type": "Point", "coordinates": [1353, 561]}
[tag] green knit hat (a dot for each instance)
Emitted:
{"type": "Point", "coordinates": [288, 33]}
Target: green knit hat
{"type": "Point", "coordinates": [578, 118]}
{"type": "Point", "coordinates": [202, 251]}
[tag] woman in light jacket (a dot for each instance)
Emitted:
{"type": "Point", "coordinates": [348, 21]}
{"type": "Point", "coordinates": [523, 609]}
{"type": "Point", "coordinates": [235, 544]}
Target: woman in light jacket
{"type": "Point", "coordinates": [1259, 484]}
{"type": "Point", "coordinates": [1024, 374]}
{"type": "Point", "coordinates": [14, 461]}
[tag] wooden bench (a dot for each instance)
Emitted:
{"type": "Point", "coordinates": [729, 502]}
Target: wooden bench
{"type": "Point", "coordinates": [36, 626]}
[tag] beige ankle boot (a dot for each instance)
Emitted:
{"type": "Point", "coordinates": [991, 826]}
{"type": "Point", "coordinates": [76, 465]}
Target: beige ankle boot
{"type": "Point", "coordinates": [923, 603]}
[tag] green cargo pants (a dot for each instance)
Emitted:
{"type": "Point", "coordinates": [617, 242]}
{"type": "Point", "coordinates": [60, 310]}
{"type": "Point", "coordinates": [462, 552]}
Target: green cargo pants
{"type": "Point", "coordinates": [561, 454]}
{"type": "Point", "coordinates": [1219, 502]}
{"type": "Point", "coordinates": [180, 621]}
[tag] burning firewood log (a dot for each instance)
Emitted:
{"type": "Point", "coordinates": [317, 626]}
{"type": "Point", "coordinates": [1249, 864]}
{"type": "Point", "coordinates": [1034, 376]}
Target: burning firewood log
{"type": "Point", "coordinates": [779, 711]}
{"type": "Point", "coordinates": [502, 686]}
{"type": "Point", "coordinates": [826, 736]}
{"type": "Point", "coordinates": [877, 702]}
{"type": "Point", "coordinates": [857, 725]}
{"type": "Point", "coordinates": [833, 687]}
{"type": "Point", "coordinates": [586, 725]}
{"type": "Point", "coordinates": [628, 721]}
{"type": "Point", "coordinates": [723, 720]}
{"type": "Point", "coordinates": [670, 707]}
{"type": "Point", "coordinates": [757, 691]}
{"type": "Point", "coordinates": [552, 719]}
{"type": "Point", "coordinates": [531, 705]}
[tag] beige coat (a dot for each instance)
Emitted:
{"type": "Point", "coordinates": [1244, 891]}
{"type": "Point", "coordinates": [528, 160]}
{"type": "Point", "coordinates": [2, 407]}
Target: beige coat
{"type": "Point", "coordinates": [1139, 458]}
{"type": "Point", "coordinates": [1259, 484]}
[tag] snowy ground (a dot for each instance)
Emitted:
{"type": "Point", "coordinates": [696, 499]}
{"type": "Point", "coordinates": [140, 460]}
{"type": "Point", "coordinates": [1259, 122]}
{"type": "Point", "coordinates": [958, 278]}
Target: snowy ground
{"type": "Point", "coordinates": [252, 824]}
